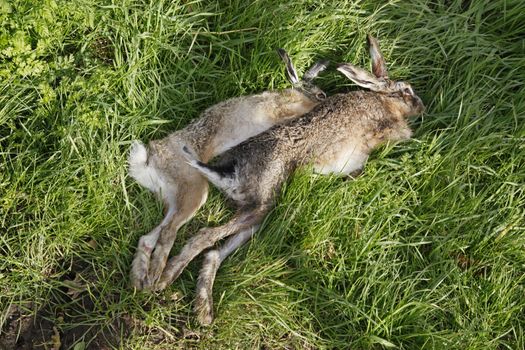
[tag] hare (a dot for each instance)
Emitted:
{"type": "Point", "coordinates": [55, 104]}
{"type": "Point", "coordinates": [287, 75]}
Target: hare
{"type": "Point", "coordinates": [336, 137]}
{"type": "Point", "coordinates": [162, 168]}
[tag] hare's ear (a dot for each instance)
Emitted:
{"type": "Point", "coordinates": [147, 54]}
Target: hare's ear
{"type": "Point", "coordinates": [362, 78]}
{"type": "Point", "coordinates": [290, 70]}
{"type": "Point", "coordinates": [378, 61]}
{"type": "Point", "coordinates": [314, 70]}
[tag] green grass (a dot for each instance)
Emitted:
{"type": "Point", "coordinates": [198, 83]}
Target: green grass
{"type": "Point", "coordinates": [424, 250]}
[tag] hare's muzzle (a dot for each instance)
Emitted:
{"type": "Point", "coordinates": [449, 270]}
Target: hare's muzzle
{"type": "Point", "coordinates": [418, 104]}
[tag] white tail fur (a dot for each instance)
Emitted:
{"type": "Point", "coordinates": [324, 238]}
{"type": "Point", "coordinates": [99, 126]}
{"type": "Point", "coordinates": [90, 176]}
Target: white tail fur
{"type": "Point", "coordinates": [139, 169]}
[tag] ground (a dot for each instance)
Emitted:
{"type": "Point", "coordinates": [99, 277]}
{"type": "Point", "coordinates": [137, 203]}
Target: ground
{"type": "Point", "coordinates": [425, 249]}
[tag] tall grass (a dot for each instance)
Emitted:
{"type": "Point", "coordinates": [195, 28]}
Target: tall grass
{"type": "Point", "coordinates": [424, 250]}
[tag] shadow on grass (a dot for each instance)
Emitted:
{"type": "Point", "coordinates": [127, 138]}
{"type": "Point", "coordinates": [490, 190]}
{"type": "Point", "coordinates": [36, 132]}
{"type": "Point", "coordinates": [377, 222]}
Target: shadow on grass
{"type": "Point", "coordinates": [25, 331]}
{"type": "Point", "coordinates": [75, 318]}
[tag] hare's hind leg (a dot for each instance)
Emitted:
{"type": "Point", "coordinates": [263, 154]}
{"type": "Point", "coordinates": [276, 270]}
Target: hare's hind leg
{"type": "Point", "coordinates": [212, 261]}
{"type": "Point", "coordinates": [190, 198]}
{"type": "Point", "coordinates": [140, 264]}
{"type": "Point", "coordinates": [207, 237]}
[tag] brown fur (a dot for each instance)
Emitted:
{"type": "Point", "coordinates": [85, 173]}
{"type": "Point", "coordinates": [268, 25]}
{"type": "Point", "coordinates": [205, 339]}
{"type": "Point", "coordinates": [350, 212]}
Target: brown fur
{"type": "Point", "coordinates": [344, 124]}
{"type": "Point", "coordinates": [162, 167]}
{"type": "Point", "coordinates": [335, 137]}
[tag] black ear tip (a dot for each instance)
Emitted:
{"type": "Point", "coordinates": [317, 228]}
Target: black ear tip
{"type": "Point", "coordinates": [325, 63]}
{"type": "Point", "coordinates": [281, 52]}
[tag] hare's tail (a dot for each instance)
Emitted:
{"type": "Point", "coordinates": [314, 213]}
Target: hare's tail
{"type": "Point", "coordinates": [141, 169]}
{"type": "Point", "coordinates": [222, 177]}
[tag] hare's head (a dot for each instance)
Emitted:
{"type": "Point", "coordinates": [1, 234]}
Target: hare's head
{"type": "Point", "coordinates": [305, 85]}
{"type": "Point", "coordinates": [400, 91]}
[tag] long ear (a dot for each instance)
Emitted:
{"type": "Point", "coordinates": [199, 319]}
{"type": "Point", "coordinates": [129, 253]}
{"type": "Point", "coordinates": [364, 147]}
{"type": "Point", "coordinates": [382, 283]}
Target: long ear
{"type": "Point", "coordinates": [314, 70]}
{"type": "Point", "coordinates": [378, 61]}
{"type": "Point", "coordinates": [290, 70]}
{"type": "Point", "coordinates": [362, 78]}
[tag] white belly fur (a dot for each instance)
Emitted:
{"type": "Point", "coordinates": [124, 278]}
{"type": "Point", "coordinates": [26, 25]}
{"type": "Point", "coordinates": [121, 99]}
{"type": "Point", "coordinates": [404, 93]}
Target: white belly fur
{"type": "Point", "coordinates": [342, 162]}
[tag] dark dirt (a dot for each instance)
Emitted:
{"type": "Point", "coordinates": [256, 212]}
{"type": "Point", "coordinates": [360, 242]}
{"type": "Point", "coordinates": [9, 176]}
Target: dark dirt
{"type": "Point", "coordinates": [23, 331]}
{"type": "Point", "coordinates": [49, 327]}
{"type": "Point", "coordinates": [56, 325]}
{"type": "Point", "coordinates": [27, 328]}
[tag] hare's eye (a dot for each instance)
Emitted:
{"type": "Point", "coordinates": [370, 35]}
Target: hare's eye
{"type": "Point", "coordinates": [320, 95]}
{"type": "Point", "coordinates": [408, 91]}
